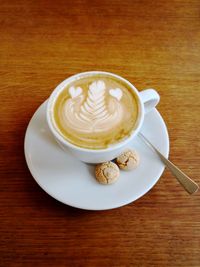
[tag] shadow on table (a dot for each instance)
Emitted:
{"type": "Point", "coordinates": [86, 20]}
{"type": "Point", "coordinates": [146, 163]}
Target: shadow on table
{"type": "Point", "coordinates": [42, 201]}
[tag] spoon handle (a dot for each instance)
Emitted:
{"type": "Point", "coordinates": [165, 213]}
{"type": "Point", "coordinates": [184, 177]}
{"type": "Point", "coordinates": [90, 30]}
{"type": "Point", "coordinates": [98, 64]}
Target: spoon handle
{"type": "Point", "coordinates": [188, 184]}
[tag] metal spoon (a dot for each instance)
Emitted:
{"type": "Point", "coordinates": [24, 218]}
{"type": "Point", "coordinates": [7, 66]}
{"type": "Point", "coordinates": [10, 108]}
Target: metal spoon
{"type": "Point", "coordinates": [188, 184]}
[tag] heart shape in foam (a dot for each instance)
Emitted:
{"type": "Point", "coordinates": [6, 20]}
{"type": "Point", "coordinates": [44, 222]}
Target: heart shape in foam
{"type": "Point", "coordinates": [74, 92]}
{"type": "Point", "coordinates": [117, 93]}
{"type": "Point", "coordinates": [97, 87]}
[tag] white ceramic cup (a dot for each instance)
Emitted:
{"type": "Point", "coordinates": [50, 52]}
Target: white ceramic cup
{"type": "Point", "coordinates": [147, 100]}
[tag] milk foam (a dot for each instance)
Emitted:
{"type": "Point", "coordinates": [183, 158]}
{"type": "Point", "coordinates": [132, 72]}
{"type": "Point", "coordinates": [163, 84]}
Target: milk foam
{"type": "Point", "coordinates": [95, 111]}
{"type": "Point", "coordinates": [99, 111]}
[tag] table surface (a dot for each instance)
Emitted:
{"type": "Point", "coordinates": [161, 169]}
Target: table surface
{"type": "Point", "coordinates": [154, 44]}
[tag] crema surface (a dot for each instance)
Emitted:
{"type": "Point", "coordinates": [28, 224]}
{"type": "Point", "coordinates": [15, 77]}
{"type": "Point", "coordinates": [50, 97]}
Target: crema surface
{"type": "Point", "coordinates": [95, 112]}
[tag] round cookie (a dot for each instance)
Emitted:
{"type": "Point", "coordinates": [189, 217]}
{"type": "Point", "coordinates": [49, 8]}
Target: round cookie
{"type": "Point", "coordinates": [128, 160]}
{"type": "Point", "coordinates": [107, 172]}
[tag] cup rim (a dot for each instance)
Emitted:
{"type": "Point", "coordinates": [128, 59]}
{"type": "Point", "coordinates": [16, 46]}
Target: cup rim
{"type": "Point", "coordinates": [65, 142]}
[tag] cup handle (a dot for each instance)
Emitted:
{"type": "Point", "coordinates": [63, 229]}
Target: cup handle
{"type": "Point", "coordinates": [150, 99]}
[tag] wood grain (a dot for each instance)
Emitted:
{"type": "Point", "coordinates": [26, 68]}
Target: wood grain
{"type": "Point", "coordinates": [153, 44]}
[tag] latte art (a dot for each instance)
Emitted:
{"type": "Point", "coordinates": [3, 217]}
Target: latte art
{"type": "Point", "coordinates": [95, 112]}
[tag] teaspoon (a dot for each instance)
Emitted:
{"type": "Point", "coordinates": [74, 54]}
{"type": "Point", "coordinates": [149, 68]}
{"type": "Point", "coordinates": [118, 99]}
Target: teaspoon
{"type": "Point", "coordinates": [188, 184]}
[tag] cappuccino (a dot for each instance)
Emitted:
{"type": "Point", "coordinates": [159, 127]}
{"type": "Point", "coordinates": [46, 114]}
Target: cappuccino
{"type": "Point", "coordinates": [95, 111]}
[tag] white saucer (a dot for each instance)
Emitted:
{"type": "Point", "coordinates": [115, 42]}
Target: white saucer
{"type": "Point", "coordinates": [72, 182]}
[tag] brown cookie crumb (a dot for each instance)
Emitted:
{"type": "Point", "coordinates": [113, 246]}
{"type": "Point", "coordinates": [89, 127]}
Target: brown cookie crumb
{"type": "Point", "coordinates": [107, 172]}
{"type": "Point", "coordinates": [128, 160]}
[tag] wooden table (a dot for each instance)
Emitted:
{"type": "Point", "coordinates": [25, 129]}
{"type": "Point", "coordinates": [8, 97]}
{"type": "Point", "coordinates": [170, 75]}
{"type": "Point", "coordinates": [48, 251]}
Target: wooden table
{"type": "Point", "coordinates": [151, 43]}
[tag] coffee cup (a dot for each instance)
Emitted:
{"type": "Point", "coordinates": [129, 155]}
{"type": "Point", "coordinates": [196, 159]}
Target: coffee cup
{"type": "Point", "coordinates": [95, 115]}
